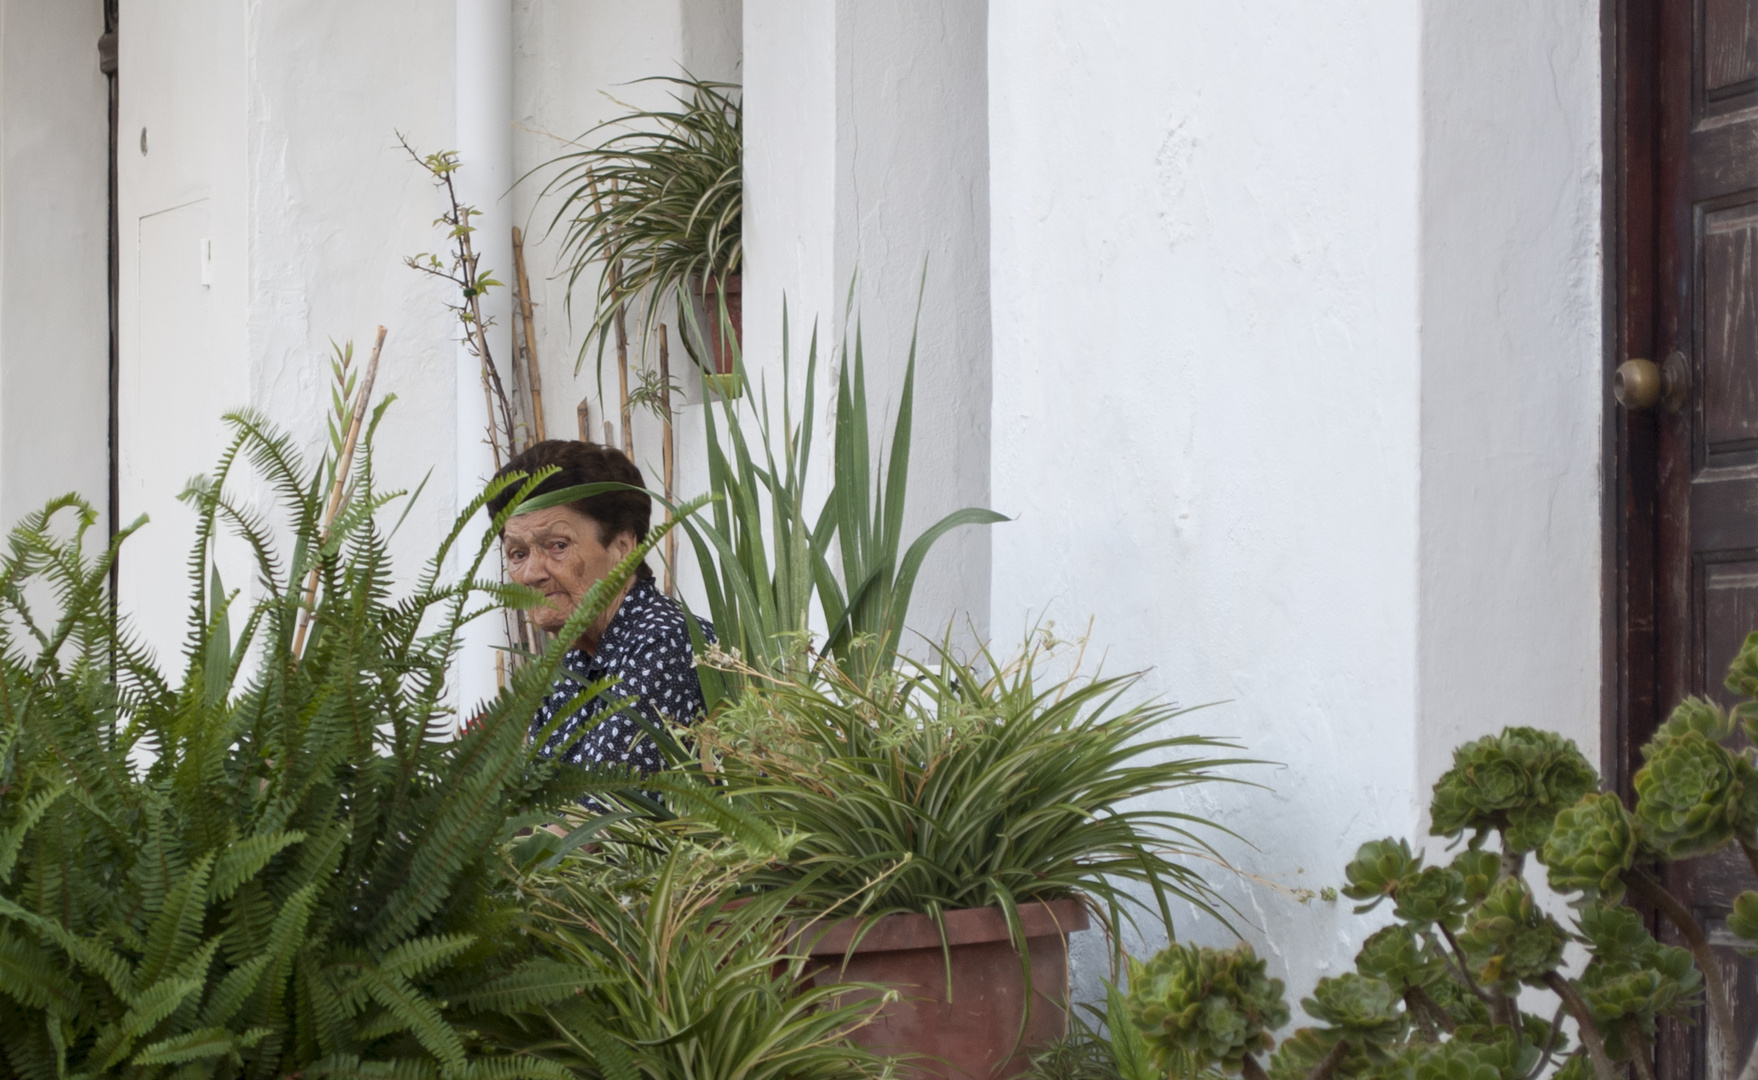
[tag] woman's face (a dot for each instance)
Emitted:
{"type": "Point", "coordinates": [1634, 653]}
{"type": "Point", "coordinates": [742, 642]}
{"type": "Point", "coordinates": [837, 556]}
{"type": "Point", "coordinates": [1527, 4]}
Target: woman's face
{"type": "Point", "coordinates": [557, 552]}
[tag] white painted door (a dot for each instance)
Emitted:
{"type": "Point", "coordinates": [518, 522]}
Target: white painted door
{"type": "Point", "coordinates": [184, 290]}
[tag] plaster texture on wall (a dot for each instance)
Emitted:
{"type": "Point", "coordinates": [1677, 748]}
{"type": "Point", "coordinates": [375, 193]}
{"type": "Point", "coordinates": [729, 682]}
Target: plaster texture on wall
{"type": "Point", "coordinates": [868, 160]}
{"type": "Point", "coordinates": [1296, 394]}
{"type": "Point", "coordinates": [53, 241]}
{"type": "Point", "coordinates": [1205, 405]}
{"type": "Point", "coordinates": [183, 188]}
{"type": "Point", "coordinates": [336, 204]}
{"type": "Point", "coordinates": [1511, 373]}
{"type": "Point", "coordinates": [273, 135]}
{"type": "Point", "coordinates": [578, 66]}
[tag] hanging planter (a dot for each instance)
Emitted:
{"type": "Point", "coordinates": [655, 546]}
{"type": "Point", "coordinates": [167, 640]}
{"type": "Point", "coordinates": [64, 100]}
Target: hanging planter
{"type": "Point", "coordinates": [653, 215]}
{"type": "Point", "coordinates": [974, 1030]}
{"type": "Point", "coordinates": [728, 289]}
{"type": "Point", "coordinates": [726, 337]}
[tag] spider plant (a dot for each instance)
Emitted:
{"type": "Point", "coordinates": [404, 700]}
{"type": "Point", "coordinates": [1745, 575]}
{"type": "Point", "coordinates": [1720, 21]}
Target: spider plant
{"type": "Point", "coordinates": [654, 209]}
{"type": "Point", "coordinates": [689, 980]}
{"type": "Point", "coordinates": [968, 784]}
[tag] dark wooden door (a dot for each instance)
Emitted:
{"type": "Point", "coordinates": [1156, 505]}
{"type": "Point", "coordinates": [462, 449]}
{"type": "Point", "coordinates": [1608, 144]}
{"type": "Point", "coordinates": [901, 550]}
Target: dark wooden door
{"type": "Point", "coordinates": [1683, 105]}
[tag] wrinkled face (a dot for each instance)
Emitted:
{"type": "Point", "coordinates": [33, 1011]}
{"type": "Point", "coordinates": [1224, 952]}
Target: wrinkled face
{"type": "Point", "coordinates": [558, 552]}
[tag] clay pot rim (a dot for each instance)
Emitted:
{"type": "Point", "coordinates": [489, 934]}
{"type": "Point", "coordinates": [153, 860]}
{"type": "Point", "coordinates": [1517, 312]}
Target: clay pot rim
{"type": "Point", "coordinates": [966, 926]}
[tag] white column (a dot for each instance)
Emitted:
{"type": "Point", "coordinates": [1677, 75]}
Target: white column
{"type": "Point", "coordinates": [866, 127]}
{"type": "Point", "coordinates": [485, 148]}
{"type": "Point", "coordinates": [54, 342]}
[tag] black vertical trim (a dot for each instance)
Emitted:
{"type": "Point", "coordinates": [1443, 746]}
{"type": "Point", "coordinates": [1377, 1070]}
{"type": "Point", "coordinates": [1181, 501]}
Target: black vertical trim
{"type": "Point", "coordinates": [107, 60]}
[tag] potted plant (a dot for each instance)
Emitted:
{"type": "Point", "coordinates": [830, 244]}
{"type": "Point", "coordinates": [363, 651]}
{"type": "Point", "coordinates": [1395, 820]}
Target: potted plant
{"type": "Point", "coordinates": [654, 210]}
{"type": "Point", "coordinates": [947, 825]}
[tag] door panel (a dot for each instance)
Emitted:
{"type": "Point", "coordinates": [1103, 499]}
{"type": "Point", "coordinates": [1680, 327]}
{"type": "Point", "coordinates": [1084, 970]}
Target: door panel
{"type": "Point", "coordinates": [1686, 166]}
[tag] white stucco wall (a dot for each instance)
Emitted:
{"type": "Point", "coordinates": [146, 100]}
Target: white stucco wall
{"type": "Point", "coordinates": [54, 434]}
{"type": "Point", "coordinates": [1206, 343]}
{"type": "Point", "coordinates": [1296, 332]}
{"type": "Point", "coordinates": [272, 133]}
{"type": "Point", "coordinates": [1511, 360]}
{"type": "Point", "coordinates": [577, 67]}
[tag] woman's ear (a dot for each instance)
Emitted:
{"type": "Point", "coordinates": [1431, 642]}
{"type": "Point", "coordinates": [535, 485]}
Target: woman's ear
{"type": "Point", "coordinates": [620, 547]}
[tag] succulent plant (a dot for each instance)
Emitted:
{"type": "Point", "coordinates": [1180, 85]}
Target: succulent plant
{"type": "Point", "coordinates": [1510, 939]}
{"type": "Point", "coordinates": [1459, 1002]}
{"type": "Point", "coordinates": [1632, 976]}
{"type": "Point", "coordinates": [1693, 795]}
{"type": "Point", "coordinates": [1396, 955]}
{"type": "Point", "coordinates": [1591, 846]}
{"type": "Point", "coordinates": [1743, 920]}
{"type": "Point", "coordinates": [1301, 1052]}
{"type": "Point", "coordinates": [1434, 895]}
{"type": "Point", "coordinates": [1742, 673]}
{"type": "Point", "coordinates": [1477, 870]}
{"type": "Point", "coordinates": [1377, 870]}
{"type": "Point", "coordinates": [1360, 1007]}
{"type": "Point", "coordinates": [1694, 714]}
{"type": "Point", "coordinates": [1514, 782]}
{"type": "Point", "coordinates": [1469, 1056]}
{"type": "Point", "coordinates": [1215, 1005]}
{"type": "Point", "coordinates": [1576, 1068]}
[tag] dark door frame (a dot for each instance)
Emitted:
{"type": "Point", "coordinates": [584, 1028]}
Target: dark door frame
{"type": "Point", "coordinates": [1630, 517]}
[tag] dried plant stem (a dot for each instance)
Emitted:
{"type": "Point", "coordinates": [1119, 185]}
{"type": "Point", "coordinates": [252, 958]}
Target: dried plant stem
{"type": "Point", "coordinates": [671, 540]}
{"type": "Point", "coordinates": [623, 375]}
{"type": "Point", "coordinates": [533, 374]}
{"type": "Point", "coordinates": [583, 418]}
{"type": "Point", "coordinates": [344, 466]}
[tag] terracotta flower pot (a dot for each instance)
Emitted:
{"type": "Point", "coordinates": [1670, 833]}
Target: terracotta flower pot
{"type": "Point", "coordinates": [732, 285]}
{"type": "Point", "coordinates": [976, 1035]}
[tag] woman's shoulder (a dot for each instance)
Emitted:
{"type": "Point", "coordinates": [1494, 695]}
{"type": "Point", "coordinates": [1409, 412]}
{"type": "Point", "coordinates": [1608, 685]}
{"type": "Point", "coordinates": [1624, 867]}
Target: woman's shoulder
{"type": "Point", "coordinates": [650, 616]}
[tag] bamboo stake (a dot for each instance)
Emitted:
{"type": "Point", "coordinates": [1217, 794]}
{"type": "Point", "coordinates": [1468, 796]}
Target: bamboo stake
{"type": "Point", "coordinates": [344, 465]}
{"type": "Point", "coordinates": [671, 538]}
{"type": "Point", "coordinates": [609, 435]}
{"type": "Point", "coordinates": [583, 417]}
{"type": "Point", "coordinates": [533, 375]}
{"type": "Point", "coordinates": [623, 365]}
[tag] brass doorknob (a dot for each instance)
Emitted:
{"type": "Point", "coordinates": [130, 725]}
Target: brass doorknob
{"type": "Point", "coordinates": [1642, 384]}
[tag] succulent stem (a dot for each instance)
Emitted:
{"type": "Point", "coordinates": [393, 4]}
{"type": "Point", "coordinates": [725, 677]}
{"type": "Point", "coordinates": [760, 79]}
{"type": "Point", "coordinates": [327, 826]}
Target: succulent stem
{"type": "Point", "coordinates": [1639, 1049]}
{"type": "Point", "coordinates": [1328, 1065]}
{"type": "Point", "coordinates": [1251, 1070]}
{"type": "Point", "coordinates": [1462, 968]}
{"type": "Point", "coordinates": [1602, 1063]}
{"type": "Point", "coordinates": [1426, 1005]}
{"type": "Point", "coordinates": [1721, 1012]}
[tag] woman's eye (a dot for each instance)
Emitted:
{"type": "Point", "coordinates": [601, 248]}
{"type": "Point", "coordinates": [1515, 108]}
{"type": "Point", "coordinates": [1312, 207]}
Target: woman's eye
{"type": "Point", "coordinates": [559, 546]}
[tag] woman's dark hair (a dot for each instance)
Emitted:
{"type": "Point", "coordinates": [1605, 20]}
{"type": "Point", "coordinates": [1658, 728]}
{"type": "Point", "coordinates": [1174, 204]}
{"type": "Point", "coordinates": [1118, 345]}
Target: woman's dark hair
{"type": "Point", "coordinates": [614, 512]}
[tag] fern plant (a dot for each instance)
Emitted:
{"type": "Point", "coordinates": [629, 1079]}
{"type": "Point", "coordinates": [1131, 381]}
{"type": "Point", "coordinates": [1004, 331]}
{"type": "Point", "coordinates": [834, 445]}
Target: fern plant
{"type": "Point", "coordinates": [280, 862]}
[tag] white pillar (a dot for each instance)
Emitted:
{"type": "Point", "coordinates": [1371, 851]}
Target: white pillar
{"type": "Point", "coordinates": [485, 148]}
{"type": "Point", "coordinates": [866, 126]}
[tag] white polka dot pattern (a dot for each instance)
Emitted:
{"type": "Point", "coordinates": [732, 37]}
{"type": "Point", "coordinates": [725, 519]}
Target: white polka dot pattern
{"type": "Point", "coordinates": [646, 654]}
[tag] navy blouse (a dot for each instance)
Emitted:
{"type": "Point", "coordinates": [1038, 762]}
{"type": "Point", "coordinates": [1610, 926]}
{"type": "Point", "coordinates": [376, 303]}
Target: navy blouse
{"type": "Point", "coordinates": [646, 651]}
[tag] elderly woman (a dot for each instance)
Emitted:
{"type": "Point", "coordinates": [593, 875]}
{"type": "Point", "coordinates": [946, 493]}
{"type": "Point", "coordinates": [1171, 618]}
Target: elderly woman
{"type": "Point", "coordinates": [641, 640]}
